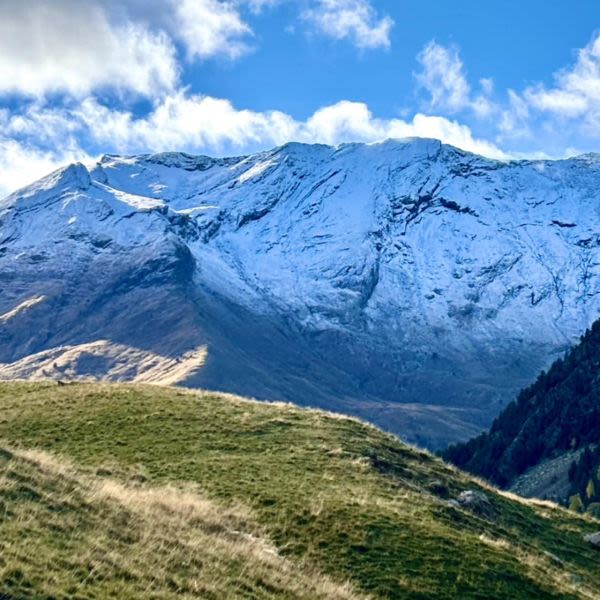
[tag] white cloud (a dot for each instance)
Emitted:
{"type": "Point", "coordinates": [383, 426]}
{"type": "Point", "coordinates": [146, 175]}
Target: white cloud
{"type": "Point", "coordinates": [205, 124]}
{"type": "Point", "coordinates": [355, 20]}
{"type": "Point", "coordinates": [487, 85]}
{"type": "Point", "coordinates": [181, 121]}
{"type": "Point", "coordinates": [205, 28]}
{"type": "Point", "coordinates": [551, 118]}
{"type": "Point", "coordinates": [443, 77]}
{"type": "Point", "coordinates": [80, 46]}
{"type": "Point", "coordinates": [72, 46]}
{"type": "Point", "coordinates": [454, 133]}
{"type": "Point", "coordinates": [515, 118]}
{"type": "Point", "coordinates": [210, 27]}
{"type": "Point", "coordinates": [40, 138]}
{"type": "Point", "coordinates": [576, 93]}
{"type": "Point", "coordinates": [35, 142]}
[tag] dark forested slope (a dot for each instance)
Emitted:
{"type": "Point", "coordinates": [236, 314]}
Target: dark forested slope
{"type": "Point", "coordinates": [560, 412]}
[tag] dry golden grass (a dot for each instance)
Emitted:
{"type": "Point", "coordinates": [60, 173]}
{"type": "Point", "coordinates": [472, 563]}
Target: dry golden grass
{"type": "Point", "coordinates": [116, 362]}
{"type": "Point", "coordinates": [98, 536]}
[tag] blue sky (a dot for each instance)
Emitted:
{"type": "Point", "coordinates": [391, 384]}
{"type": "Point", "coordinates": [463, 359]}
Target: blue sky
{"type": "Point", "coordinates": [515, 42]}
{"type": "Point", "coordinates": [503, 78]}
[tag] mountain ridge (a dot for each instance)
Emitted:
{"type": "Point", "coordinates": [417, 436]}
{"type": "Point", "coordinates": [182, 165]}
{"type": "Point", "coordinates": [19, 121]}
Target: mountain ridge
{"type": "Point", "coordinates": [397, 281]}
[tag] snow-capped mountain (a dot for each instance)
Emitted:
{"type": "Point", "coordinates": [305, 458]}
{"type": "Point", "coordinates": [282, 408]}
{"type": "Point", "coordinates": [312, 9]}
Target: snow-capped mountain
{"type": "Point", "coordinates": [407, 282]}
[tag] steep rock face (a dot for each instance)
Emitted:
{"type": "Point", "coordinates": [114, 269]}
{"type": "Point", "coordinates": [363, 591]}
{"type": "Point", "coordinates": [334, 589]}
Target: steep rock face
{"type": "Point", "coordinates": [408, 282]}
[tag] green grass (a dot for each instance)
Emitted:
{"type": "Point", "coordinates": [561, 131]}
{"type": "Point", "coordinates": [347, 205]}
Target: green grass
{"type": "Point", "coordinates": [335, 500]}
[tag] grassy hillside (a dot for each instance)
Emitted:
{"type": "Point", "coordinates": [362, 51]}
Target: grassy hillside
{"type": "Point", "coordinates": [145, 492]}
{"type": "Point", "coordinates": [66, 534]}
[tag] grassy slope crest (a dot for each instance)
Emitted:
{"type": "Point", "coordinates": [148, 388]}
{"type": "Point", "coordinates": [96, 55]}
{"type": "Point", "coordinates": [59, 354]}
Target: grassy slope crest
{"type": "Point", "coordinates": [134, 491]}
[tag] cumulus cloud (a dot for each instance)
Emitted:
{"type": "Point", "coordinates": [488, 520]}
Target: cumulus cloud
{"type": "Point", "coordinates": [210, 27]}
{"type": "Point", "coordinates": [443, 76]}
{"type": "Point", "coordinates": [355, 20]}
{"type": "Point", "coordinates": [182, 121]}
{"type": "Point", "coordinates": [72, 46]}
{"type": "Point", "coordinates": [79, 46]}
{"type": "Point", "coordinates": [576, 93]}
{"type": "Point", "coordinates": [206, 124]}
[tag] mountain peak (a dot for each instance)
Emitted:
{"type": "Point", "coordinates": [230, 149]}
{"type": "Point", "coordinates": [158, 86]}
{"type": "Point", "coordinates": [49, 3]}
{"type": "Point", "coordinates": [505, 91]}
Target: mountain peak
{"type": "Point", "coordinates": [380, 273]}
{"type": "Point", "coordinates": [420, 143]}
{"type": "Point", "coordinates": [589, 158]}
{"type": "Point", "coordinates": [75, 174]}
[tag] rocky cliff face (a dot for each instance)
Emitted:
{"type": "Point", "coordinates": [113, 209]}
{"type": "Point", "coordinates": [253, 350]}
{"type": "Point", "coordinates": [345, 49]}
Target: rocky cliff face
{"type": "Point", "coordinates": [408, 282]}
